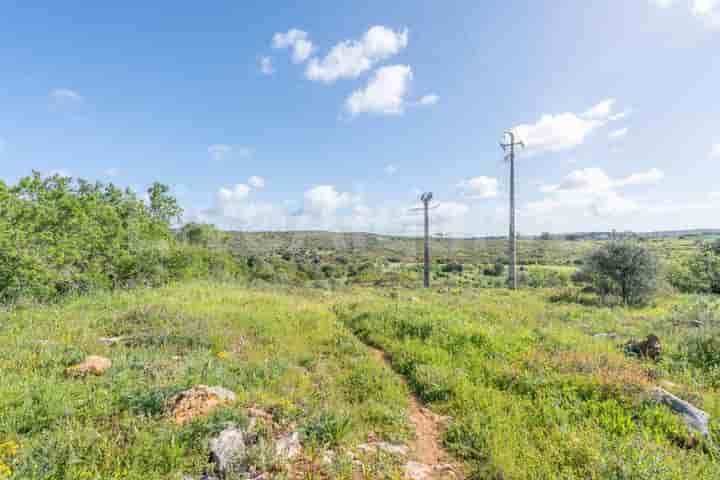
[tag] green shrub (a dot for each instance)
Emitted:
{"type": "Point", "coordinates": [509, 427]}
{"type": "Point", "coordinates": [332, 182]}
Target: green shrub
{"type": "Point", "coordinates": [625, 270]}
{"type": "Point", "coordinates": [60, 236]}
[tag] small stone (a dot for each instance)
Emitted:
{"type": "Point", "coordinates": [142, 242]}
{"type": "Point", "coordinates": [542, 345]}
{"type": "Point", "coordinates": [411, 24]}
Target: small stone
{"type": "Point", "coordinates": [694, 418]}
{"type": "Point", "coordinates": [389, 448]}
{"type": "Point", "coordinates": [110, 341]}
{"type": "Point", "coordinates": [328, 457]}
{"type": "Point", "coordinates": [288, 446]}
{"type": "Point", "coordinates": [226, 448]}
{"type": "Point", "coordinates": [606, 335]}
{"type": "Point", "coordinates": [254, 412]}
{"type": "Point", "coordinates": [93, 364]}
{"type": "Point", "coordinates": [417, 471]}
{"type": "Point", "coordinates": [198, 401]}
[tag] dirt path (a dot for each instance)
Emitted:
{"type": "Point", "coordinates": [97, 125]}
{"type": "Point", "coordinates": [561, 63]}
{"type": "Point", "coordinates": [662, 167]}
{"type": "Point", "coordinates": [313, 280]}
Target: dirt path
{"type": "Point", "coordinates": [427, 446]}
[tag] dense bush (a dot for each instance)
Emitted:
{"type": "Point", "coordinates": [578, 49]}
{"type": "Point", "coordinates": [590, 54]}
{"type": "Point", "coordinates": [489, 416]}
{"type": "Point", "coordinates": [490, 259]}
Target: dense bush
{"type": "Point", "coordinates": [60, 236]}
{"type": "Point", "coordinates": [496, 270]}
{"type": "Point", "coordinates": [626, 270]}
{"type": "Point", "coordinates": [202, 234]}
{"type": "Point", "coordinates": [700, 273]}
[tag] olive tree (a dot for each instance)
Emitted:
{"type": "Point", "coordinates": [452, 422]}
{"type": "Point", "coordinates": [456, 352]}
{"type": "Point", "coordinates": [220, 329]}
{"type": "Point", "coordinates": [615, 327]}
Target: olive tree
{"type": "Point", "coordinates": [626, 270]}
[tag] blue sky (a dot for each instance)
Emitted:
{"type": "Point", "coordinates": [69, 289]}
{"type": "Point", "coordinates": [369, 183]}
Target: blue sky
{"type": "Point", "coordinates": [334, 115]}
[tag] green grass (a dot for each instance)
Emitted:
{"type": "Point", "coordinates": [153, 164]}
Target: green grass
{"type": "Point", "coordinates": [532, 392]}
{"type": "Point", "coordinates": [282, 352]}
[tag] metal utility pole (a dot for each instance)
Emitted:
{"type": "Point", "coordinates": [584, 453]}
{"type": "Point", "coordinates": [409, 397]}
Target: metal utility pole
{"type": "Point", "coordinates": [509, 148]}
{"type": "Point", "coordinates": [426, 198]}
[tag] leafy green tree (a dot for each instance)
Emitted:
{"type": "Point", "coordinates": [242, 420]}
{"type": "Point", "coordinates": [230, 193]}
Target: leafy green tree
{"type": "Point", "coordinates": [163, 206]}
{"type": "Point", "coordinates": [626, 270]}
{"type": "Point", "coordinates": [59, 236]}
{"type": "Point", "coordinates": [201, 234]}
{"type": "Point", "coordinates": [701, 272]}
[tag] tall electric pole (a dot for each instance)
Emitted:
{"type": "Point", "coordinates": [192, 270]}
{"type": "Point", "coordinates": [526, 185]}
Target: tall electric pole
{"type": "Point", "coordinates": [426, 198]}
{"type": "Point", "coordinates": [509, 148]}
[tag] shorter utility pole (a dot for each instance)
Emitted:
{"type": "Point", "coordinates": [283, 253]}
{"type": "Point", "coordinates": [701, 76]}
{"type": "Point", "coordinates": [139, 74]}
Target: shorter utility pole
{"type": "Point", "coordinates": [426, 198]}
{"type": "Point", "coordinates": [512, 241]}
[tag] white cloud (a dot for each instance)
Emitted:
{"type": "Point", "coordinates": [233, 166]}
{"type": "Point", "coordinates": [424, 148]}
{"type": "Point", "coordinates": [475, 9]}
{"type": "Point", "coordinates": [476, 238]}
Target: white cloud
{"type": "Point", "coordinates": [298, 41]}
{"type": "Point", "coordinates": [64, 97]}
{"type": "Point", "coordinates": [593, 192]}
{"type": "Point", "coordinates": [708, 11]}
{"type": "Point", "coordinates": [391, 169]}
{"type": "Point", "coordinates": [324, 200]}
{"type": "Point", "coordinates": [384, 93]}
{"type": "Point", "coordinates": [555, 132]}
{"type": "Point", "coordinates": [715, 151]}
{"type": "Point", "coordinates": [618, 134]}
{"type": "Point", "coordinates": [221, 151]}
{"type": "Point", "coordinates": [662, 3]}
{"type": "Point", "coordinates": [266, 65]}
{"type": "Point", "coordinates": [601, 111]}
{"type": "Point", "coordinates": [431, 99]}
{"type": "Point", "coordinates": [564, 131]}
{"type": "Point", "coordinates": [350, 58]}
{"type": "Point", "coordinates": [256, 182]}
{"type": "Point", "coordinates": [230, 196]}
{"type": "Point", "coordinates": [645, 178]}
{"type": "Point", "coordinates": [619, 116]}
{"type": "Point", "coordinates": [449, 211]}
{"type": "Point", "coordinates": [480, 187]}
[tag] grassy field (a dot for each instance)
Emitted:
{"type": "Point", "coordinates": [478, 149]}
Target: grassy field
{"type": "Point", "coordinates": [283, 353]}
{"type": "Point", "coordinates": [532, 390]}
{"type": "Point", "coordinates": [329, 259]}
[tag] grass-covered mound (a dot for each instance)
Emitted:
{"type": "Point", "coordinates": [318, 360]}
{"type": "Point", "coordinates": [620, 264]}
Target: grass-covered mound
{"type": "Point", "coordinates": [285, 354]}
{"type": "Point", "coordinates": [546, 391]}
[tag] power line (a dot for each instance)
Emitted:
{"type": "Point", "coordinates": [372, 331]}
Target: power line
{"type": "Point", "coordinates": [512, 240]}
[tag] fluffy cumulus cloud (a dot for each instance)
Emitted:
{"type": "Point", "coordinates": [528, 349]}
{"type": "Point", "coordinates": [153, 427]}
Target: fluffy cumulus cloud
{"type": "Point", "coordinates": [391, 169]}
{"type": "Point", "coordinates": [222, 151]}
{"type": "Point", "coordinates": [480, 187]}
{"type": "Point", "coordinates": [350, 58]}
{"type": "Point", "coordinates": [219, 151]}
{"type": "Point", "coordinates": [65, 97]}
{"type": "Point", "coordinates": [430, 99]}
{"type": "Point", "coordinates": [645, 178]}
{"type": "Point", "coordinates": [564, 131]}
{"type": "Point", "coordinates": [324, 200]}
{"type": "Point", "coordinates": [266, 65]}
{"type": "Point", "coordinates": [715, 151]}
{"type": "Point", "coordinates": [256, 182]}
{"type": "Point", "coordinates": [708, 11]}
{"type": "Point", "coordinates": [296, 40]}
{"type": "Point", "coordinates": [228, 196]}
{"type": "Point", "coordinates": [618, 134]}
{"type": "Point", "coordinates": [384, 94]}
{"type": "Point", "coordinates": [593, 192]}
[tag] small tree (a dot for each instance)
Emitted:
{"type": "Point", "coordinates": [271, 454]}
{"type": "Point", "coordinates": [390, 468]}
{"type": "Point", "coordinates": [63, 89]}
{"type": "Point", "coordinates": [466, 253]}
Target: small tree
{"type": "Point", "coordinates": [624, 269]}
{"type": "Point", "coordinates": [162, 204]}
{"type": "Point", "coordinates": [701, 272]}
